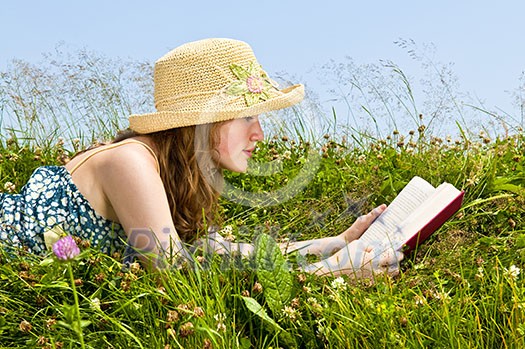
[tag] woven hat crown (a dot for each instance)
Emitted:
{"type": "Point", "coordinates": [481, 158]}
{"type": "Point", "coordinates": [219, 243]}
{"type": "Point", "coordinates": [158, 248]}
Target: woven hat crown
{"type": "Point", "coordinates": [192, 85]}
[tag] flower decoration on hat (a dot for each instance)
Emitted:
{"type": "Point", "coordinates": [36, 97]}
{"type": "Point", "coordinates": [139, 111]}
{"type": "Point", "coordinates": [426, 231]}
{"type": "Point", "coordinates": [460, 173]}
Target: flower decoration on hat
{"type": "Point", "coordinates": [252, 83]}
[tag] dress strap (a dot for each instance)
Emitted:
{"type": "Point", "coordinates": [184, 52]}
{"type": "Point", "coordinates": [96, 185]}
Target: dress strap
{"type": "Point", "coordinates": [115, 145]}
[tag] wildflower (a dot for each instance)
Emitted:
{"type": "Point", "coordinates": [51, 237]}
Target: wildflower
{"type": "Point", "coordinates": [257, 288]}
{"type": "Point", "coordinates": [290, 312]}
{"type": "Point", "coordinates": [100, 277]}
{"type": "Point", "coordinates": [314, 304]}
{"type": "Point", "coordinates": [227, 233]}
{"type": "Point", "coordinates": [186, 330]}
{"type": "Point", "coordinates": [479, 274]}
{"type": "Point", "coordinates": [125, 285]}
{"type": "Point", "coordinates": [50, 323]}
{"type": "Point", "coordinates": [295, 303]}
{"type": "Point", "coordinates": [95, 304]}
{"type": "Point", "coordinates": [512, 272]}
{"type": "Point", "coordinates": [207, 344]}
{"type": "Point", "coordinates": [41, 341]}
{"type": "Point", "coordinates": [442, 296]}
{"type": "Point", "coordinates": [198, 312]}
{"type": "Point", "coordinates": [66, 248]}
{"type": "Point", "coordinates": [9, 187]}
{"type": "Point", "coordinates": [25, 326]}
{"type": "Point", "coordinates": [339, 284]}
{"type": "Point", "coordinates": [173, 316]}
{"type": "Point", "coordinates": [134, 267]}
{"type": "Point", "coordinates": [420, 300]}
{"type": "Point", "coordinates": [220, 321]}
{"type": "Point", "coordinates": [287, 155]}
{"type": "Point", "coordinates": [321, 331]}
{"type": "Point", "coordinates": [245, 293]}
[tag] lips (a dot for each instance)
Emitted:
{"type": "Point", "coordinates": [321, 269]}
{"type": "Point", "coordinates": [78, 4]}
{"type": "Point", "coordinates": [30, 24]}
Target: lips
{"type": "Point", "coordinates": [249, 151]}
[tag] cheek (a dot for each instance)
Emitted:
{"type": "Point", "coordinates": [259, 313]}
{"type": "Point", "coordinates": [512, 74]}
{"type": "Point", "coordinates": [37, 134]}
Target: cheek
{"type": "Point", "coordinates": [229, 141]}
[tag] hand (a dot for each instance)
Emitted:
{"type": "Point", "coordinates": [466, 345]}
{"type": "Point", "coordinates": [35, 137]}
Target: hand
{"type": "Point", "coordinates": [360, 260]}
{"type": "Point", "coordinates": [361, 224]}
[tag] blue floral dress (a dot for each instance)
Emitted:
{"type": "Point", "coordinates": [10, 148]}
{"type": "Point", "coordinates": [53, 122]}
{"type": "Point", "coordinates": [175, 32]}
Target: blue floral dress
{"type": "Point", "coordinates": [50, 201]}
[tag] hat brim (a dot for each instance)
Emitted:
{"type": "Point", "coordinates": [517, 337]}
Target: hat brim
{"type": "Point", "coordinates": [165, 120]}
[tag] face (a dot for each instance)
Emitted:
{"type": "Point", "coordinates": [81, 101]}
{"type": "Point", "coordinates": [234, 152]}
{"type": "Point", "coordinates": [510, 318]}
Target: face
{"type": "Point", "coordinates": [237, 142]}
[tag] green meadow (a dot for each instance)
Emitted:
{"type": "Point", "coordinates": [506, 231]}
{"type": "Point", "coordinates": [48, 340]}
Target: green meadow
{"type": "Point", "coordinates": [463, 288]}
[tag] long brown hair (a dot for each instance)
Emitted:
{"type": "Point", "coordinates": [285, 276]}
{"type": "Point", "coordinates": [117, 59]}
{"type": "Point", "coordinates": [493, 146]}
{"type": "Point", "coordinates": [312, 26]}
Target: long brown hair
{"type": "Point", "coordinates": [190, 173]}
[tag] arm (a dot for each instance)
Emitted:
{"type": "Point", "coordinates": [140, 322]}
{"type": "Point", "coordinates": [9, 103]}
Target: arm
{"type": "Point", "coordinates": [323, 246]}
{"type": "Point", "coordinates": [345, 253]}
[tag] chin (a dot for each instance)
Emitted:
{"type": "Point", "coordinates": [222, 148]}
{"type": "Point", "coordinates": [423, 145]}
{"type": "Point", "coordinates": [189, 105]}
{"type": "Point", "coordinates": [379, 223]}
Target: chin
{"type": "Point", "coordinates": [236, 168]}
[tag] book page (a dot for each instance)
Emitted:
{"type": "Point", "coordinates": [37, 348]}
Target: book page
{"type": "Point", "coordinates": [385, 227]}
{"type": "Point", "coordinates": [442, 196]}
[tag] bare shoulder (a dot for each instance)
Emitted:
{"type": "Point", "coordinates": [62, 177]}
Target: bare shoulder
{"type": "Point", "coordinates": [129, 157]}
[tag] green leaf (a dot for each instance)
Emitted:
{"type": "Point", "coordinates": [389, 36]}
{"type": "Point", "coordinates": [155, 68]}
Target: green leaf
{"type": "Point", "coordinates": [239, 72]}
{"type": "Point", "coordinates": [84, 323]}
{"type": "Point", "coordinates": [251, 98]}
{"type": "Point", "coordinates": [237, 88]}
{"type": "Point", "coordinates": [258, 310]}
{"type": "Point", "coordinates": [273, 273]}
{"type": "Point", "coordinates": [46, 262]}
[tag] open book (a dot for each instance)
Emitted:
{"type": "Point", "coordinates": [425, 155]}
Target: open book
{"type": "Point", "coordinates": [416, 212]}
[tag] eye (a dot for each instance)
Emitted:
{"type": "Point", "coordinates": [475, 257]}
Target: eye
{"type": "Point", "coordinates": [249, 118]}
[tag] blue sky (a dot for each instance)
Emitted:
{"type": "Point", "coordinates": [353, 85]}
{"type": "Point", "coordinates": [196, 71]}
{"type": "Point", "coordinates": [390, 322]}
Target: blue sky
{"type": "Point", "coordinates": [484, 39]}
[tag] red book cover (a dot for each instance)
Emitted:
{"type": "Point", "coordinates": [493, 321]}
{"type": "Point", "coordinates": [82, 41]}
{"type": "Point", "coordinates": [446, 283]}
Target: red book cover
{"type": "Point", "coordinates": [434, 224]}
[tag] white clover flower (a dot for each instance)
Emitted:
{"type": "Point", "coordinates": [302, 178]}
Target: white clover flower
{"type": "Point", "coordinates": [480, 272]}
{"type": "Point", "coordinates": [287, 155]}
{"type": "Point", "coordinates": [227, 233]}
{"type": "Point", "coordinates": [220, 317]}
{"type": "Point", "coordinates": [95, 304]}
{"type": "Point", "coordinates": [339, 284]}
{"type": "Point", "coordinates": [290, 312]}
{"type": "Point", "coordinates": [419, 300]}
{"type": "Point", "coordinates": [9, 187]}
{"type": "Point", "coordinates": [513, 272]}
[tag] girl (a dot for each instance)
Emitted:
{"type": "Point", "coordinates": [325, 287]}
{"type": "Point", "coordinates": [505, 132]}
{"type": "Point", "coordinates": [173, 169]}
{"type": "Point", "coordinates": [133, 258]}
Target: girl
{"type": "Point", "coordinates": [157, 183]}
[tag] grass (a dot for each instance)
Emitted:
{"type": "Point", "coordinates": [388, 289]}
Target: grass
{"type": "Point", "coordinates": [462, 289]}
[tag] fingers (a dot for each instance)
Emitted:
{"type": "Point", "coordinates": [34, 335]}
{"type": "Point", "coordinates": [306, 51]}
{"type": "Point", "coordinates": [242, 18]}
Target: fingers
{"type": "Point", "coordinates": [386, 262]}
{"type": "Point", "coordinates": [364, 221]}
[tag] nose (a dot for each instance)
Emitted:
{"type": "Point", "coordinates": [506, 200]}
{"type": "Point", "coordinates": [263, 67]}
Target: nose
{"type": "Point", "coordinates": [257, 133]}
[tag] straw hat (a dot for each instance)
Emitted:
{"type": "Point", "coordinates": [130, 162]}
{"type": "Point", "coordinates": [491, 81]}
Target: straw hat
{"type": "Point", "coordinates": [211, 80]}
